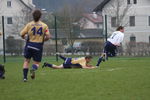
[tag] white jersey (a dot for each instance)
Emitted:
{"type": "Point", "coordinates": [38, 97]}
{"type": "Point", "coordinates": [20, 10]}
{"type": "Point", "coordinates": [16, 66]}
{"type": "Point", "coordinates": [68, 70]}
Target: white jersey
{"type": "Point", "coordinates": [116, 38]}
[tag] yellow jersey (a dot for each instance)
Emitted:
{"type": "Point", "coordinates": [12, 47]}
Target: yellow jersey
{"type": "Point", "coordinates": [36, 31]}
{"type": "Point", "coordinates": [80, 61]}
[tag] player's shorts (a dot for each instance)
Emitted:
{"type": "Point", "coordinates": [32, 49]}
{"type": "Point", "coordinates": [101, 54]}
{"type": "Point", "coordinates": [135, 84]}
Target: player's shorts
{"type": "Point", "coordinates": [67, 63]}
{"type": "Point", "coordinates": [76, 66]}
{"type": "Point", "coordinates": [33, 50]}
{"type": "Point", "coordinates": [110, 49]}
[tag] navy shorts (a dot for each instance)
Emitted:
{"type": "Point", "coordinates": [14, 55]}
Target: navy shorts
{"type": "Point", "coordinates": [33, 50]}
{"type": "Point", "coordinates": [110, 49]}
{"type": "Point", "coordinates": [67, 63]}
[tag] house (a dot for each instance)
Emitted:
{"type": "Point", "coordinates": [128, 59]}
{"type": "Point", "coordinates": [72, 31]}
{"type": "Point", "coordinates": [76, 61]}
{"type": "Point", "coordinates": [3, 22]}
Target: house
{"type": "Point", "coordinates": [91, 21]}
{"type": "Point", "coordinates": [132, 14]}
{"type": "Point", "coordinates": [16, 14]}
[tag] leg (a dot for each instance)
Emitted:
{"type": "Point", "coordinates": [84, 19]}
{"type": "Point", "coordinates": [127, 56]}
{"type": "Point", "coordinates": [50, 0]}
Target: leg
{"type": "Point", "coordinates": [25, 69]}
{"type": "Point", "coordinates": [57, 67]}
{"type": "Point", "coordinates": [99, 60]}
{"type": "Point", "coordinates": [37, 57]}
{"type": "Point", "coordinates": [62, 57]}
{"type": "Point", "coordinates": [35, 66]}
{"type": "Point", "coordinates": [47, 65]}
{"type": "Point", "coordinates": [52, 66]}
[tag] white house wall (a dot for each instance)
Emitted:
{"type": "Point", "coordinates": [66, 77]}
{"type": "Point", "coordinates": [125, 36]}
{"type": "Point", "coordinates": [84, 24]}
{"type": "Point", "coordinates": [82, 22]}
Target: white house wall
{"type": "Point", "coordinates": [14, 11]}
{"type": "Point", "coordinates": [141, 30]}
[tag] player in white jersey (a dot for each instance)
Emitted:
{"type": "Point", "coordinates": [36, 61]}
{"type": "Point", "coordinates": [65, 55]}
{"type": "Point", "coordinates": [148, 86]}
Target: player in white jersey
{"type": "Point", "coordinates": [111, 44]}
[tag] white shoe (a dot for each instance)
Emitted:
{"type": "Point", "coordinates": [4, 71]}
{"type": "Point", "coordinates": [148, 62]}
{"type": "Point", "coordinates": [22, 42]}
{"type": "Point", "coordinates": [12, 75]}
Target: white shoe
{"type": "Point", "coordinates": [24, 80]}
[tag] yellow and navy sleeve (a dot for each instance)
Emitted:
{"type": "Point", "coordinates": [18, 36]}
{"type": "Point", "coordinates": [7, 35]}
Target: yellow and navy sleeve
{"type": "Point", "coordinates": [24, 30]}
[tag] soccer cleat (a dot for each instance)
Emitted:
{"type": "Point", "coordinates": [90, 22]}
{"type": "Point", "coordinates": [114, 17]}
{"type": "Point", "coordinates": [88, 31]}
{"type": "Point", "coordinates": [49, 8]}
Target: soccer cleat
{"type": "Point", "coordinates": [24, 80]}
{"type": "Point", "coordinates": [32, 74]}
{"type": "Point", "coordinates": [44, 65]}
{"type": "Point", "coordinates": [96, 66]}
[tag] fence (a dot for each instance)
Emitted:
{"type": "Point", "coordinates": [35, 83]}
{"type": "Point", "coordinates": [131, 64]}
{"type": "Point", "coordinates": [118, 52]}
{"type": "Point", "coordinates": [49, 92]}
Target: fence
{"type": "Point", "coordinates": [70, 35]}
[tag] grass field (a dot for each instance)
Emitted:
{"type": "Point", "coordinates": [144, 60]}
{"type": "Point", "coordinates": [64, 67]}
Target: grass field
{"type": "Point", "coordinates": [119, 78]}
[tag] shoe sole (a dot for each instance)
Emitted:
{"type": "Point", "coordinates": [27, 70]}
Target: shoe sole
{"type": "Point", "coordinates": [32, 74]}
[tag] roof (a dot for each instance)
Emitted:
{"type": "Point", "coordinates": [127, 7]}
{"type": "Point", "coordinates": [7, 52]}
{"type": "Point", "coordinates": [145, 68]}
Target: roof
{"type": "Point", "coordinates": [85, 33]}
{"type": "Point", "coordinates": [91, 17]}
{"type": "Point", "coordinates": [101, 6]}
{"type": "Point", "coordinates": [25, 5]}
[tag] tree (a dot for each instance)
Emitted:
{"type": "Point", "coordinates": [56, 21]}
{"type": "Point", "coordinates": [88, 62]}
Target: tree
{"type": "Point", "coordinates": [120, 10]}
{"type": "Point", "coordinates": [67, 17]}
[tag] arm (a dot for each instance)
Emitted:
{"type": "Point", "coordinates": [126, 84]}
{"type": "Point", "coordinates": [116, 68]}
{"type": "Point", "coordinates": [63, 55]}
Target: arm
{"type": "Point", "coordinates": [0, 33]}
{"type": "Point", "coordinates": [86, 67]}
{"type": "Point", "coordinates": [24, 31]}
{"type": "Point", "coordinates": [47, 37]}
{"type": "Point", "coordinates": [120, 39]}
{"type": "Point", "coordinates": [47, 34]}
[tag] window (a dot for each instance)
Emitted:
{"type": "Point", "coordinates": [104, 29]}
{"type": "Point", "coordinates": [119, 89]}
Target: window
{"type": "Point", "coordinates": [113, 21]}
{"type": "Point", "coordinates": [149, 20]}
{"type": "Point", "coordinates": [8, 3]}
{"type": "Point", "coordinates": [9, 20]}
{"type": "Point", "coordinates": [132, 39]}
{"type": "Point", "coordinates": [132, 21]}
{"type": "Point", "coordinates": [135, 1]}
{"type": "Point", "coordinates": [128, 2]}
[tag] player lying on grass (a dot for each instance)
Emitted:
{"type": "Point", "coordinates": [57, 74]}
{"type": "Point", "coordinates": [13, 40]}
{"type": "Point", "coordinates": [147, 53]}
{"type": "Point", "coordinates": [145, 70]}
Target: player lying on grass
{"type": "Point", "coordinates": [82, 62]}
{"type": "Point", "coordinates": [111, 45]}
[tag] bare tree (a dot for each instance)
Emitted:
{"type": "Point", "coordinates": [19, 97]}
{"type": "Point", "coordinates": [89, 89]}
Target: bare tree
{"type": "Point", "coordinates": [20, 20]}
{"type": "Point", "coordinates": [69, 15]}
{"type": "Point", "coordinates": [119, 9]}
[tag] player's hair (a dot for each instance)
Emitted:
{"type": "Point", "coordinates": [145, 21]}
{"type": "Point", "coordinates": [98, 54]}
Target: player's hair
{"type": "Point", "coordinates": [88, 57]}
{"type": "Point", "coordinates": [37, 15]}
{"type": "Point", "coordinates": [119, 28]}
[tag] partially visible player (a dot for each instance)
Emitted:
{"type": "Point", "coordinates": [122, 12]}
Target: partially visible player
{"type": "Point", "coordinates": [111, 45]}
{"type": "Point", "coordinates": [0, 33]}
{"type": "Point", "coordinates": [2, 72]}
{"type": "Point", "coordinates": [2, 69]}
{"type": "Point", "coordinates": [35, 33]}
{"type": "Point", "coordinates": [82, 62]}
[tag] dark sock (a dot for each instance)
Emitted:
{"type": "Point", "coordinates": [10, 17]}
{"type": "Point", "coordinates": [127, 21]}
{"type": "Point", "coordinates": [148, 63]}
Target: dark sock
{"type": "Point", "coordinates": [25, 73]}
{"type": "Point", "coordinates": [49, 65]}
{"type": "Point", "coordinates": [62, 57]}
{"type": "Point", "coordinates": [34, 67]}
{"type": "Point", "coordinates": [99, 61]}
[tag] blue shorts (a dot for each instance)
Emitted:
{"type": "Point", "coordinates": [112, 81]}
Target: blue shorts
{"type": "Point", "coordinates": [67, 63]}
{"type": "Point", "coordinates": [110, 49]}
{"type": "Point", "coordinates": [33, 50]}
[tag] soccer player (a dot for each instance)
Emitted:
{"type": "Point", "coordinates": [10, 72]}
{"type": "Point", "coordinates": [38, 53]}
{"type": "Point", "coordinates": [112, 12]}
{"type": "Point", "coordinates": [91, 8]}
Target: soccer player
{"type": "Point", "coordinates": [82, 62]}
{"type": "Point", "coordinates": [2, 72]}
{"type": "Point", "coordinates": [35, 33]}
{"type": "Point", "coordinates": [111, 45]}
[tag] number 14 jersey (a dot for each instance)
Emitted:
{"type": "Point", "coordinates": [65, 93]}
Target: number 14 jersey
{"type": "Point", "coordinates": [35, 31]}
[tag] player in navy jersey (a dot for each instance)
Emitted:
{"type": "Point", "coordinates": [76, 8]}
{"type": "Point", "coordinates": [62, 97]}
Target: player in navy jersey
{"type": "Point", "coordinates": [36, 32]}
{"type": "Point", "coordinates": [111, 45]}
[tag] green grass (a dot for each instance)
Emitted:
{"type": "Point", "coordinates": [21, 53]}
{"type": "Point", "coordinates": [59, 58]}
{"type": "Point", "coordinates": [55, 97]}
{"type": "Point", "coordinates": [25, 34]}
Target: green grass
{"type": "Point", "coordinates": [120, 78]}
